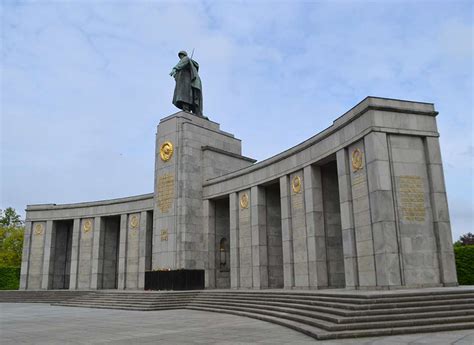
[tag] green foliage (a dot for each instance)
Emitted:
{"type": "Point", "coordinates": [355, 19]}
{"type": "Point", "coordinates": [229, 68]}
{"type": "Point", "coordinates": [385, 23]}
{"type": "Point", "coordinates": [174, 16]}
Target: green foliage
{"type": "Point", "coordinates": [11, 238]}
{"type": "Point", "coordinates": [9, 278]}
{"type": "Point", "coordinates": [9, 217]}
{"type": "Point", "coordinates": [11, 246]}
{"type": "Point", "coordinates": [465, 264]}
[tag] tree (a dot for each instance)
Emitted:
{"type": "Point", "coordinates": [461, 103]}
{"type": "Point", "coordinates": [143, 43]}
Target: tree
{"type": "Point", "coordinates": [11, 238]}
{"type": "Point", "coordinates": [9, 217]}
{"type": "Point", "coordinates": [465, 240]}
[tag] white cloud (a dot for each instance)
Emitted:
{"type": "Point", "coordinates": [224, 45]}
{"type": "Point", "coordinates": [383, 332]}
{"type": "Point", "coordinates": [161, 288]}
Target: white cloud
{"type": "Point", "coordinates": [85, 83]}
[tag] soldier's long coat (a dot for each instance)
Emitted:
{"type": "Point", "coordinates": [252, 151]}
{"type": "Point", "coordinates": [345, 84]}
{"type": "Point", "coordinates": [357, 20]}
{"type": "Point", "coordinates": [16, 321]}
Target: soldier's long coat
{"type": "Point", "coordinates": [188, 87]}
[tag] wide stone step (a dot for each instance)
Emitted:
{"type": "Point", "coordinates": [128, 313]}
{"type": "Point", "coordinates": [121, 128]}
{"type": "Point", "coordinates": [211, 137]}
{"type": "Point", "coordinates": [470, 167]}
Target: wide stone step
{"type": "Point", "coordinates": [333, 308]}
{"type": "Point", "coordinates": [322, 334]}
{"type": "Point", "coordinates": [331, 326]}
{"type": "Point", "coordinates": [120, 307]}
{"type": "Point", "coordinates": [328, 315]}
{"type": "Point", "coordinates": [120, 303]}
{"type": "Point", "coordinates": [144, 300]}
{"type": "Point", "coordinates": [355, 299]}
{"type": "Point", "coordinates": [343, 305]}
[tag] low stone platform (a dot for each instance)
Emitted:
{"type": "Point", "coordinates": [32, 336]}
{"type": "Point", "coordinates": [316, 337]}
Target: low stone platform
{"type": "Point", "coordinates": [325, 314]}
{"type": "Point", "coordinates": [43, 324]}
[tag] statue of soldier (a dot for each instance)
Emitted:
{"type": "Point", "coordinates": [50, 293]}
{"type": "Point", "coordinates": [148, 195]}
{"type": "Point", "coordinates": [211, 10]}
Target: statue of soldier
{"type": "Point", "coordinates": [188, 90]}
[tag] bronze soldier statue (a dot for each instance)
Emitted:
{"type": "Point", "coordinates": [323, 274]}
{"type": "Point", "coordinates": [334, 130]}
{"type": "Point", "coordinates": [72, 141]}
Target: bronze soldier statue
{"type": "Point", "coordinates": [188, 90]}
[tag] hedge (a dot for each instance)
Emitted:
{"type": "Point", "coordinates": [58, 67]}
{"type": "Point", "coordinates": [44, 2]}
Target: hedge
{"type": "Point", "coordinates": [465, 264]}
{"type": "Point", "coordinates": [9, 278]}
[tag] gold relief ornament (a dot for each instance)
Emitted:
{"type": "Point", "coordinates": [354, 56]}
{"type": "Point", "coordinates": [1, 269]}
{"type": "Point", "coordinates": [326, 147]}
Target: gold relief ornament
{"type": "Point", "coordinates": [296, 184]}
{"type": "Point", "coordinates": [244, 200]}
{"type": "Point", "coordinates": [166, 151]}
{"type": "Point", "coordinates": [164, 235]}
{"type": "Point", "coordinates": [134, 221]}
{"type": "Point", "coordinates": [87, 226]}
{"type": "Point", "coordinates": [356, 160]}
{"type": "Point", "coordinates": [38, 229]}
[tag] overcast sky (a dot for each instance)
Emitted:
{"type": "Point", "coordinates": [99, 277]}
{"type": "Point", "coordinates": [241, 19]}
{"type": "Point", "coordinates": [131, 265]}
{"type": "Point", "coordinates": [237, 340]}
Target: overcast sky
{"type": "Point", "coordinates": [84, 84]}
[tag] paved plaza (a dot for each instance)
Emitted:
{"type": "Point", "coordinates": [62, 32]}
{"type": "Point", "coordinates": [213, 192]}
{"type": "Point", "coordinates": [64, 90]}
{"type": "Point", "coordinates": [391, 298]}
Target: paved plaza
{"type": "Point", "coordinates": [25, 323]}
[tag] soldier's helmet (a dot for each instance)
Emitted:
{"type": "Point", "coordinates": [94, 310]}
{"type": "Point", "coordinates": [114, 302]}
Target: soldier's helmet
{"type": "Point", "coordinates": [182, 52]}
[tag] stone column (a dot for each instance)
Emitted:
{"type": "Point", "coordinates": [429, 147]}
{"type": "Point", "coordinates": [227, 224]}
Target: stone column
{"type": "Point", "coordinates": [209, 223]}
{"type": "Point", "coordinates": [142, 252]}
{"type": "Point", "coordinates": [298, 224]}
{"type": "Point", "coordinates": [259, 238]}
{"type": "Point", "coordinates": [317, 261]}
{"type": "Point", "coordinates": [287, 234]}
{"type": "Point", "coordinates": [25, 258]}
{"type": "Point", "coordinates": [122, 255]}
{"type": "Point", "coordinates": [234, 241]}
{"type": "Point", "coordinates": [362, 217]}
{"type": "Point", "coordinates": [347, 220]}
{"type": "Point", "coordinates": [97, 254]}
{"type": "Point", "coordinates": [245, 240]}
{"type": "Point", "coordinates": [439, 205]}
{"type": "Point", "coordinates": [76, 228]}
{"type": "Point", "coordinates": [384, 231]}
{"type": "Point", "coordinates": [48, 256]}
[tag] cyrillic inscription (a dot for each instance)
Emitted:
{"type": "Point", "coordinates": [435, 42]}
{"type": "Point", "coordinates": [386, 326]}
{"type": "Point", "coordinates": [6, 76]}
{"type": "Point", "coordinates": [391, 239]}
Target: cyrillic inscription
{"type": "Point", "coordinates": [412, 198]}
{"type": "Point", "coordinates": [165, 192]}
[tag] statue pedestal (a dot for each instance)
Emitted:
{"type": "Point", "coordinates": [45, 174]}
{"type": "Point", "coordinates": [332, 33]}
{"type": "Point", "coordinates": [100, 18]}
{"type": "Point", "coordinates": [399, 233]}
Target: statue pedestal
{"type": "Point", "coordinates": [189, 150]}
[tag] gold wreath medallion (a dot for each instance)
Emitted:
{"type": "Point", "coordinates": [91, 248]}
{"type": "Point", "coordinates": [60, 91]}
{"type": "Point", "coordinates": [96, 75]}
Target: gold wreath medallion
{"type": "Point", "coordinates": [244, 200]}
{"type": "Point", "coordinates": [356, 160]}
{"type": "Point", "coordinates": [87, 226]}
{"type": "Point", "coordinates": [38, 229]}
{"type": "Point", "coordinates": [134, 221]}
{"type": "Point", "coordinates": [296, 184]}
{"type": "Point", "coordinates": [166, 151]}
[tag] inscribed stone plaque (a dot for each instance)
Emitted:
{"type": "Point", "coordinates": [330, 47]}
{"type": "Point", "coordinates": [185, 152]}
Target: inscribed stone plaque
{"type": "Point", "coordinates": [359, 185]}
{"type": "Point", "coordinates": [412, 198]}
{"type": "Point", "coordinates": [165, 192]}
{"type": "Point", "coordinates": [164, 235]}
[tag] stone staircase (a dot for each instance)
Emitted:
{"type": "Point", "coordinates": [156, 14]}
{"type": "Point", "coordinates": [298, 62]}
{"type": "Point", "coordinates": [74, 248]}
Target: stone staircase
{"type": "Point", "coordinates": [321, 315]}
{"type": "Point", "coordinates": [330, 316]}
{"type": "Point", "coordinates": [39, 296]}
{"type": "Point", "coordinates": [144, 301]}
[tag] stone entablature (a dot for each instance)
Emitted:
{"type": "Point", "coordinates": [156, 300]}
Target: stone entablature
{"type": "Point", "coordinates": [371, 115]}
{"type": "Point", "coordinates": [109, 207]}
{"type": "Point", "coordinates": [361, 205]}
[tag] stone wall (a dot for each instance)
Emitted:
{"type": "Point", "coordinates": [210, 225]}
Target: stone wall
{"type": "Point", "coordinates": [415, 220]}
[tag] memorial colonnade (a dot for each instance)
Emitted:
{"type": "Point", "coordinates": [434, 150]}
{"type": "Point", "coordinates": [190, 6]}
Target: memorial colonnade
{"type": "Point", "coordinates": [360, 205]}
{"type": "Point", "coordinates": [93, 245]}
